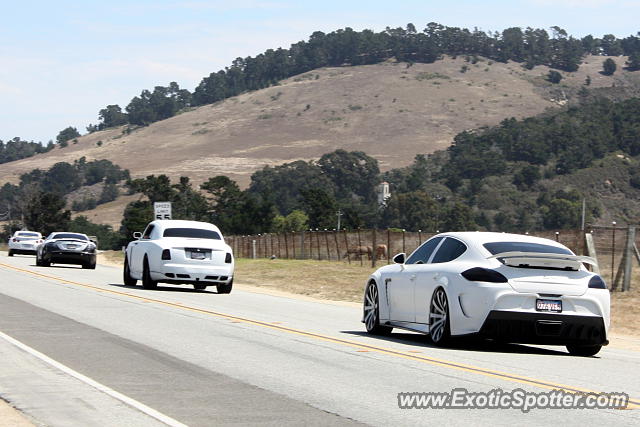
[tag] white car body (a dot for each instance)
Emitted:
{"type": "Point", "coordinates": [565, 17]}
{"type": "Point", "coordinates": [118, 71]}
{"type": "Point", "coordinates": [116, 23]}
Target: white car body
{"type": "Point", "coordinates": [24, 242]}
{"type": "Point", "coordinates": [547, 295]}
{"type": "Point", "coordinates": [180, 252]}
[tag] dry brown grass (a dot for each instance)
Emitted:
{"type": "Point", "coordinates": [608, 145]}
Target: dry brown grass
{"type": "Point", "coordinates": [317, 279]}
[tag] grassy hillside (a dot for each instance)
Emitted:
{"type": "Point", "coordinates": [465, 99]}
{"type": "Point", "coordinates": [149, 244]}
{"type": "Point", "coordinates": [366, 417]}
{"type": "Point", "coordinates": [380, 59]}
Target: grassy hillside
{"type": "Point", "coordinates": [392, 111]}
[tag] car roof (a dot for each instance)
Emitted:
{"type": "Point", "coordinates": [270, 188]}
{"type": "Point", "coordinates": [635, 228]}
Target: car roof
{"type": "Point", "coordinates": [25, 231]}
{"type": "Point", "coordinates": [180, 223]}
{"type": "Point", "coordinates": [479, 238]}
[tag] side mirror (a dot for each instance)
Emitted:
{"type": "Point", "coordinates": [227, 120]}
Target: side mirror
{"type": "Point", "coordinates": [137, 235]}
{"type": "Point", "coordinates": [400, 258]}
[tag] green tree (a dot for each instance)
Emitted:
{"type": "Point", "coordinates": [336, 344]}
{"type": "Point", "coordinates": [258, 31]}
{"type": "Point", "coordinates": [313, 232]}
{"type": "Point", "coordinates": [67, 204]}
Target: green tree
{"type": "Point", "coordinates": [526, 177]}
{"type": "Point", "coordinates": [135, 218]}
{"type": "Point", "coordinates": [321, 207]}
{"type": "Point", "coordinates": [458, 217]}
{"type": "Point", "coordinates": [354, 174]}
{"type": "Point", "coordinates": [67, 134]}
{"type": "Point", "coordinates": [412, 211]}
{"type": "Point", "coordinates": [561, 214]}
{"type": "Point", "coordinates": [297, 220]}
{"type": "Point", "coordinates": [633, 64]}
{"type": "Point", "coordinates": [109, 193]}
{"type": "Point", "coordinates": [554, 76]}
{"type": "Point", "coordinates": [112, 116]}
{"type": "Point", "coordinates": [609, 67]}
{"type": "Point", "coordinates": [44, 212]}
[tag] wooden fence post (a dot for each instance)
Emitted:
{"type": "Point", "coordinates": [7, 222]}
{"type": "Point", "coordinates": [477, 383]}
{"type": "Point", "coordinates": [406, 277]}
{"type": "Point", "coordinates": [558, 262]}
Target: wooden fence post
{"type": "Point", "coordinates": [359, 246]}
{"type": "Point", "coordinates": [286, 245]}
{"type": "Point", "coordinates": [346, 245]}
{"type": "Point", "coordinates": [628, 255]}
{"type": "Point", "coordinates": [293, 244]}
{"type": "Point", "coordinates": [326, 240]}
{"type": "Point", "coordinates": [388, 246]}
{"type": "Point", "coordinates": [335, 236]}
{"type": "Point", "coordinates": [319, 245]}
{"type": "Point", "coordinates": [374, 248]}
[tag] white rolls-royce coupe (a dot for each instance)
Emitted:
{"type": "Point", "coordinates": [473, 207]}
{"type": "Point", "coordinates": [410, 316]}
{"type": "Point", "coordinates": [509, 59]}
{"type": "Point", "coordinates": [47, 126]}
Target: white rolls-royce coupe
{"type": "Point", "coordinates": [179, 252]}
{"type": "Point", "coordinates": [506, 287]}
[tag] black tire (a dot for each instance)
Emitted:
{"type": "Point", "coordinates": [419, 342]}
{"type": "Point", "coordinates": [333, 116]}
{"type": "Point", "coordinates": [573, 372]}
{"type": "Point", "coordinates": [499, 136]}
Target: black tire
{"type": "Point", "coordinates": [371, 308]}
{"type": "Point", "coordinates": [199, 287]}
{"type": "Point", "coordinates": [10, 252]}
{"type": "Point", "coordinates": [225, 288]}
{"type": "Point", "coordinates": [439, 318]}
{"type": "Point", "coordinates": [89, 265]}
{"type": "Point", "coordinates": [147, 282]}
{"type": "Point", "coordinates": [126, 274]}
{"type": "Point", "coordinates": [583, 350]}
{"type": "Point", "coordinates": [38, 262]}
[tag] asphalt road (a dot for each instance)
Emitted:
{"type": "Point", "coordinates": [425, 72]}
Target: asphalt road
{"type": "Point", "coordinates": [78, 348]}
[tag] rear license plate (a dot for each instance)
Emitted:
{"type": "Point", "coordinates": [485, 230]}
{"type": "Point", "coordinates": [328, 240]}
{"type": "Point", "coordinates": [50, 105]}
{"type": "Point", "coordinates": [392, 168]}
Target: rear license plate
{"type": "Point", "coordinates": [197, 255]}
{"type": "Point", "coordinates": [549, 305]}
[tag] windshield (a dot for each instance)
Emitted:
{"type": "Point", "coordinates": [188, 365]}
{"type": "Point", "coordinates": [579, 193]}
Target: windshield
{"type": "Point", "coordinates": [501, 247]}
{"type": "Point", "coordinates": [192, 233]}
{"type": "Point", "coordinates": [69, 236]}
{"type": "Point", "coordinates": [28, 235]}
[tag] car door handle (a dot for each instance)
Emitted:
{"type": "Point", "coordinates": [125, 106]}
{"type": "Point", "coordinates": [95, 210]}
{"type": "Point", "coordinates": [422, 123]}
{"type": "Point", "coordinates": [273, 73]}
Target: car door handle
{"type": "Point", "coordinates": [413, 277]}
{"type": "Point", "coordinates": [436, 276]}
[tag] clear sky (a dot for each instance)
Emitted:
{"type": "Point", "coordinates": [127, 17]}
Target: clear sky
{"type": "Point", "coordinates": [62, 61]}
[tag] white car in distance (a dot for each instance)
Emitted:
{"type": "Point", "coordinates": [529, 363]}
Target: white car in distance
{"type": "Point", "coordinates": [24, 242]}
{"type": "Point", "coordinates": [179, 252]}
{"type": "Point", "coordinates": [506, 287]}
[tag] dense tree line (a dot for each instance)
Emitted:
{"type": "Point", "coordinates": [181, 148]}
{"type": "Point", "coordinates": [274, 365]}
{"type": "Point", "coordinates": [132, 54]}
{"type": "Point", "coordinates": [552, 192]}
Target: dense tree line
{"type": "Point", "coordinates": [38, 201]}
{"type": "Point", "coordinates": [564, 141]}
{"type": "Point", "coordinates": [16, 149]}
{"type": "Point", "coordinates": [530, 47]}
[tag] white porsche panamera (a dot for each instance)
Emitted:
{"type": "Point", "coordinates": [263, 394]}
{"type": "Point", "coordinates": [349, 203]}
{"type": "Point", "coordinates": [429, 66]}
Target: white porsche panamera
{"type": "Point", "coordinates": [179, 252]}
{"type": "Point", "coordinates": [507, 287]}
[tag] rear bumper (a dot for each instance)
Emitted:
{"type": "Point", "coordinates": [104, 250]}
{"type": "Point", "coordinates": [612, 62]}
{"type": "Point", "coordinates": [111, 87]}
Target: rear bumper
{"type": "Point", "coordinates": [544, 328]}
{"type": "Point", "coordinates": [22, 251]}
{"type": "Point", "coordinates": [193, 274]}
{"type": "Point", "coordinates": [70, 257]}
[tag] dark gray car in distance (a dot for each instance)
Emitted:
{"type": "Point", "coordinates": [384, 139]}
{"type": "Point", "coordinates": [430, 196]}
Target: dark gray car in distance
{"type": "Point", "coordinates": [67, 248]}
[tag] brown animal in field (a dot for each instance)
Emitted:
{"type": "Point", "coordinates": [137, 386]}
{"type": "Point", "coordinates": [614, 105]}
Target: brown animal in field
{"type": "Point", "coordinates": [381, 252]}
{"type": "Point", "coordinates": [358, 251]}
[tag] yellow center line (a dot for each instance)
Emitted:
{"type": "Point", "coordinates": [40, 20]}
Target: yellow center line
{"type": "Point", "coordinates": [633, 403]}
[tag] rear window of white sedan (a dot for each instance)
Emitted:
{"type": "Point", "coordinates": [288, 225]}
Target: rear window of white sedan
{"type": "Point", "coordinates": [501, 247]}
{"type": "Point", "coordinates": [191, 233]}
{"type": "Point", "coordinates": [28, 235]}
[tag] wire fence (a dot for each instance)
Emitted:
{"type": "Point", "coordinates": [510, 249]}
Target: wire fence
{"type": "Point", "coordinates": [355, 245]}
{"type": "Point", "coordinates": [615, 248]}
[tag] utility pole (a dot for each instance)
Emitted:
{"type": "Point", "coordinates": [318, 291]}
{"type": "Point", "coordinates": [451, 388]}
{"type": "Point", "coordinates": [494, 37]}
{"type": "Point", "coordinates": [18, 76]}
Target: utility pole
{"type": "Point", "coordinates": [584, 213]}
{"type": "Point", "coordinates": [339, 214]}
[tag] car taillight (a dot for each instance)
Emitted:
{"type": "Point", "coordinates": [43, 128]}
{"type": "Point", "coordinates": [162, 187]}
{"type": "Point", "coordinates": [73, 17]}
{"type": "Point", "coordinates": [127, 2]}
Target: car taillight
{"type": "Point", "coordinates": [227, 258]}
{"type": "Point", "coordinates": [596, 282]}
{"type": "Point", "coordinates": [479, 274]}
{"type": "Point", "coordinates": [166, 254]}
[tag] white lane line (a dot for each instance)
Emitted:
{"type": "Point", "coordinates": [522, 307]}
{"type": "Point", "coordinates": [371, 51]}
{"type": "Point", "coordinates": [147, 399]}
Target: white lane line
{"type": "Point", "coordinates": [101, 387]}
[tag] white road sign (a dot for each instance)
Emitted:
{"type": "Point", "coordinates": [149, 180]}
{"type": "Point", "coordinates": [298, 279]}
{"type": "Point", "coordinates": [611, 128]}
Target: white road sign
{"type": "Point", "coordinates": [162, 210]}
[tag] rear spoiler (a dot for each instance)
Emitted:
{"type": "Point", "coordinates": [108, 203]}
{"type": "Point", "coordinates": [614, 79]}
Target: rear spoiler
{"type": "Point", "coordinates": [546, 256]}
